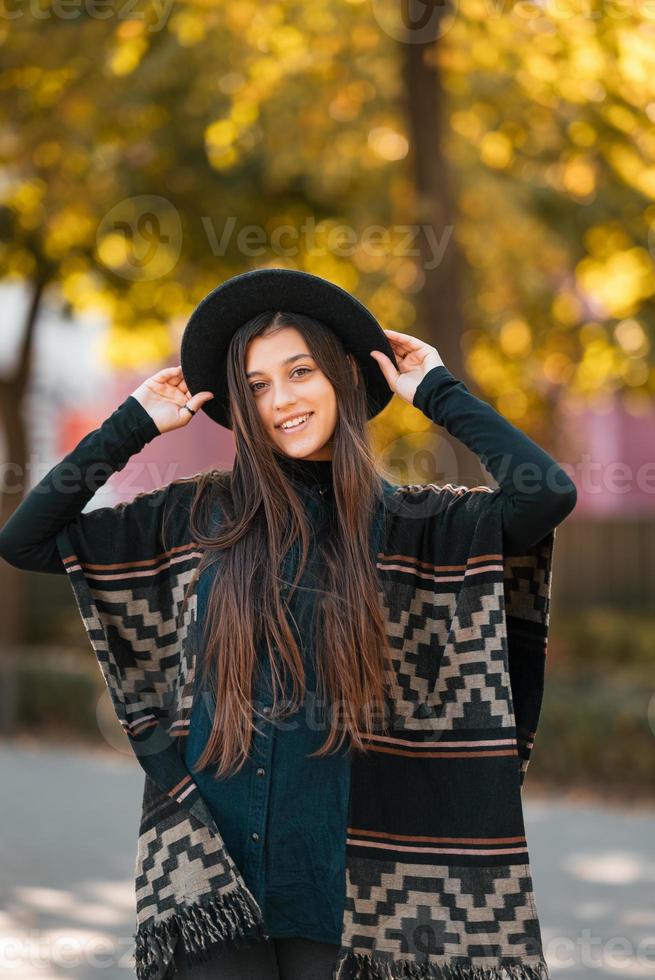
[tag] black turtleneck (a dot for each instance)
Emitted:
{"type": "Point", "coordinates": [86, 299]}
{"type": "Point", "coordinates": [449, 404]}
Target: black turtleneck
{"type": "Point", "coordinates": [307, 471]}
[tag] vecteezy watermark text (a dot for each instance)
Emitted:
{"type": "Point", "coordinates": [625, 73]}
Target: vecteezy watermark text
{"type": "Point", "coordinates": [590, 476]}
{"type": "Point", "coordinates": [310, 237]}
{"type": "Point", "coordinates": [93, 9]}
{"type": "Point", "coordinates": [150, 230]}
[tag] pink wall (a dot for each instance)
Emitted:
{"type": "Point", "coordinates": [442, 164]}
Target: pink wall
{"type": "Point", "coordinates": [614, 468]}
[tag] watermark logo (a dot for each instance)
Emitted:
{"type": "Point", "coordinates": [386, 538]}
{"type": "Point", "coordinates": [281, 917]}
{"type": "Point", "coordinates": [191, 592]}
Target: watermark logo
{"type": "Point", "coordinates": [415, 21]}
{"type": "Point", "coordinates": [140, 238]}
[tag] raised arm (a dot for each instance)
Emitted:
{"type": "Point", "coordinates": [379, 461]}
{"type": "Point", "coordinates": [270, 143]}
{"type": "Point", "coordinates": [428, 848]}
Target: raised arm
{"type": "Point", "coordinates": [537, 492]}
{"type": "Point", "coordinates": [28, 539]}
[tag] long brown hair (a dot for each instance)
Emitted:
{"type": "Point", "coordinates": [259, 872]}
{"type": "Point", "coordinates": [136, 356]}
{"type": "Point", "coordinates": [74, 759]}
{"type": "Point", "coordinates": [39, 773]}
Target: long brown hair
{"type": "Point", "coordinates": [261, 516]}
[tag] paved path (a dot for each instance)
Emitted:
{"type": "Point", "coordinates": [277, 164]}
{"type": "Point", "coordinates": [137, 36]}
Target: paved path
{"type": "Point", "coordinates": [67, 864]}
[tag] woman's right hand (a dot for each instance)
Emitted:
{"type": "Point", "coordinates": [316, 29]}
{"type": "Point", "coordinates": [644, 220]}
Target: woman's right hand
{"type": "Point", "coordinates": [164, 395]}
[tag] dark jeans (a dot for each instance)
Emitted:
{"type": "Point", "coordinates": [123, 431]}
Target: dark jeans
{"type": "Point", "coordinates": [269, 959]}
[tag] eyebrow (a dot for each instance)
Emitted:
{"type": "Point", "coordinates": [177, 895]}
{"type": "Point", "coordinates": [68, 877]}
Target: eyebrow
{"type": "Point", "coordinates": [287, 360]}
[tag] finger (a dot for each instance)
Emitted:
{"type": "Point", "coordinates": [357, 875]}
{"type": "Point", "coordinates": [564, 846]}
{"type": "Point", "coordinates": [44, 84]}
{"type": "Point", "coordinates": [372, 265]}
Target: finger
{"type": "Point", "coordinates": [168, 373]}
{"type": "Point", "coordinates": [181, 391]}
{"type": "Point", "coordinates": [169, 388]}
{"type": "Point", "coordinates": [161, 387]}
{"type": "Point", "coordinates": [400, 350]}
{"type": "Point", "coordinates": [400, 353]}
{"type": "Point", "coordinates": [401, 335]}
{"type": "Point", "coordinates": [403, 347]}
{"type": "Point", "coordinates": [387, 368]}
{"type": "Point", "coordinates": [199, 399]}
{"type": "Point", "coordinates": [195, 403]}
{"type": "Point", "coordinates": [404, 340]}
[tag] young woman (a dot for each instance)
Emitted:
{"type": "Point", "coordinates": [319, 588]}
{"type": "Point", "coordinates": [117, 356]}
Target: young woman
{"type": "Point", "coordinates": [287, 594]}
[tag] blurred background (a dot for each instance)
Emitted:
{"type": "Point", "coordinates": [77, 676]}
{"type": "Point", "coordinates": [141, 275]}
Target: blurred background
{"type": "Point", "coordinates": [480, 174]}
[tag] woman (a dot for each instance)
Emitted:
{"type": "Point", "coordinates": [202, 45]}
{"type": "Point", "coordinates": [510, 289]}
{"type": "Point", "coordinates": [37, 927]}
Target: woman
{"type": "Point", "coordinates": [287, 588]}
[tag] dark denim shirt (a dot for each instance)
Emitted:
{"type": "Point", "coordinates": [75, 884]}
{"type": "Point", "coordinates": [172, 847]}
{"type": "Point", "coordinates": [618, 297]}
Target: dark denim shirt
{"type": "Point", "coordinates": [283, 815]}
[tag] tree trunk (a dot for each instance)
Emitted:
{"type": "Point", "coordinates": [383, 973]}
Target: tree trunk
{"type": "Point", "coordinates": [12, 581]}
{"type": "Point", "coordinates": [439, 309]}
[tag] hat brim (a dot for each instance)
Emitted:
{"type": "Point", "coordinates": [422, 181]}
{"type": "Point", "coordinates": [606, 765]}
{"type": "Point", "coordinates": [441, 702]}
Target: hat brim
{"type": "Point", "coordinates": [203, 353]}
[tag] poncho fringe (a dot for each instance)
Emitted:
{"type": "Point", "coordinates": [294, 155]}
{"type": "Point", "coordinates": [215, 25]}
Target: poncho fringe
{"type": "Point", "coordinates": [199, 926]}
{"type": "Point", "coordinates": [360, 966]}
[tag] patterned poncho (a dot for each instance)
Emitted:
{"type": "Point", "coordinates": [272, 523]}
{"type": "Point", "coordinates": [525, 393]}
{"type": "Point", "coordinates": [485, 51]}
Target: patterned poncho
{"type": "Point", "coordinates": [438, 880]}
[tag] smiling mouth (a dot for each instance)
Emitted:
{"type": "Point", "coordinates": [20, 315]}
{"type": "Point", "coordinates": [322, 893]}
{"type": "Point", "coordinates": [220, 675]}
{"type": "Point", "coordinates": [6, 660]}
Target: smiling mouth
{"type": "Point", "coordinates": [296, 428]}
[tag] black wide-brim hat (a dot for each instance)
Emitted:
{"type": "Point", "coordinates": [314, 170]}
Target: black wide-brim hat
{"type": "Point", "coordinates": [205, 341]}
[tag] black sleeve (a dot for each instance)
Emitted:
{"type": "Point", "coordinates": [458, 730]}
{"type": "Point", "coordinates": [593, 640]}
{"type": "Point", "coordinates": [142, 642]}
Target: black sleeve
{"type": "Point", "coordinates": [28, 539]}
{"type": "Point", "coordinates": [537, 492]}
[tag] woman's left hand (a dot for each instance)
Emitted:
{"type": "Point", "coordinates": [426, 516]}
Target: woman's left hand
{"type": "Point", "coordinates": [415, 358]}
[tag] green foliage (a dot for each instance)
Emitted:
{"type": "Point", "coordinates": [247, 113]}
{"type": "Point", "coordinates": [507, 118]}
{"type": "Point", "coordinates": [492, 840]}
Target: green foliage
{"type": "Point", "coordinates": [54, 694]}
{"type": "Point", "coordinates": [596, 730]}
{"type": "Point", "coordinates": [599, 641]}
{"type": "Point", "coordinates": [598, 713]}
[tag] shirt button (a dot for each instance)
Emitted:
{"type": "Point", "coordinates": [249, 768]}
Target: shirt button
{"type": "Point", "coordinates": [266, 710]}
{"type": "Point", "coordinates": [255, 836]}
{"type": "Point", "coordinates": [260, 771]}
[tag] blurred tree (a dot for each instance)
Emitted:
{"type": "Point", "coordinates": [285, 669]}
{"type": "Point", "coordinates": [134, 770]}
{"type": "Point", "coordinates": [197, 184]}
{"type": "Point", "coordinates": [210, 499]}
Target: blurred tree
{"type": "Point", "coordinates": [551, 137]}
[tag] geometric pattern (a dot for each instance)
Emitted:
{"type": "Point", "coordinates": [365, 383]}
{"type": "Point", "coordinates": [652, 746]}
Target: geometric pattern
{"type": "Point", "coordinates": [438, 875]}
{"type": "Point", "coordinates": [453, 916]}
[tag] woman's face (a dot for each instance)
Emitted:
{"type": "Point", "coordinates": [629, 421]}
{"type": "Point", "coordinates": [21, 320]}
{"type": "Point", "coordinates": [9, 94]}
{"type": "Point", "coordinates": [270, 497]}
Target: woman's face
{"type": "Point", "coordinates": [287, 384]}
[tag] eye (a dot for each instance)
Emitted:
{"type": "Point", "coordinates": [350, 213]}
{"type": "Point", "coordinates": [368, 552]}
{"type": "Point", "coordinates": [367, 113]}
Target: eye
{"type": "Point", "coordinates": [253, 387]}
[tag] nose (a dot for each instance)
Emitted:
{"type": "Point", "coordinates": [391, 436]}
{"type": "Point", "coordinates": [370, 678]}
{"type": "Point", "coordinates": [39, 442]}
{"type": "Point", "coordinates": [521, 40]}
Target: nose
{"type": "Point", "coordinates": [283, 399]}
